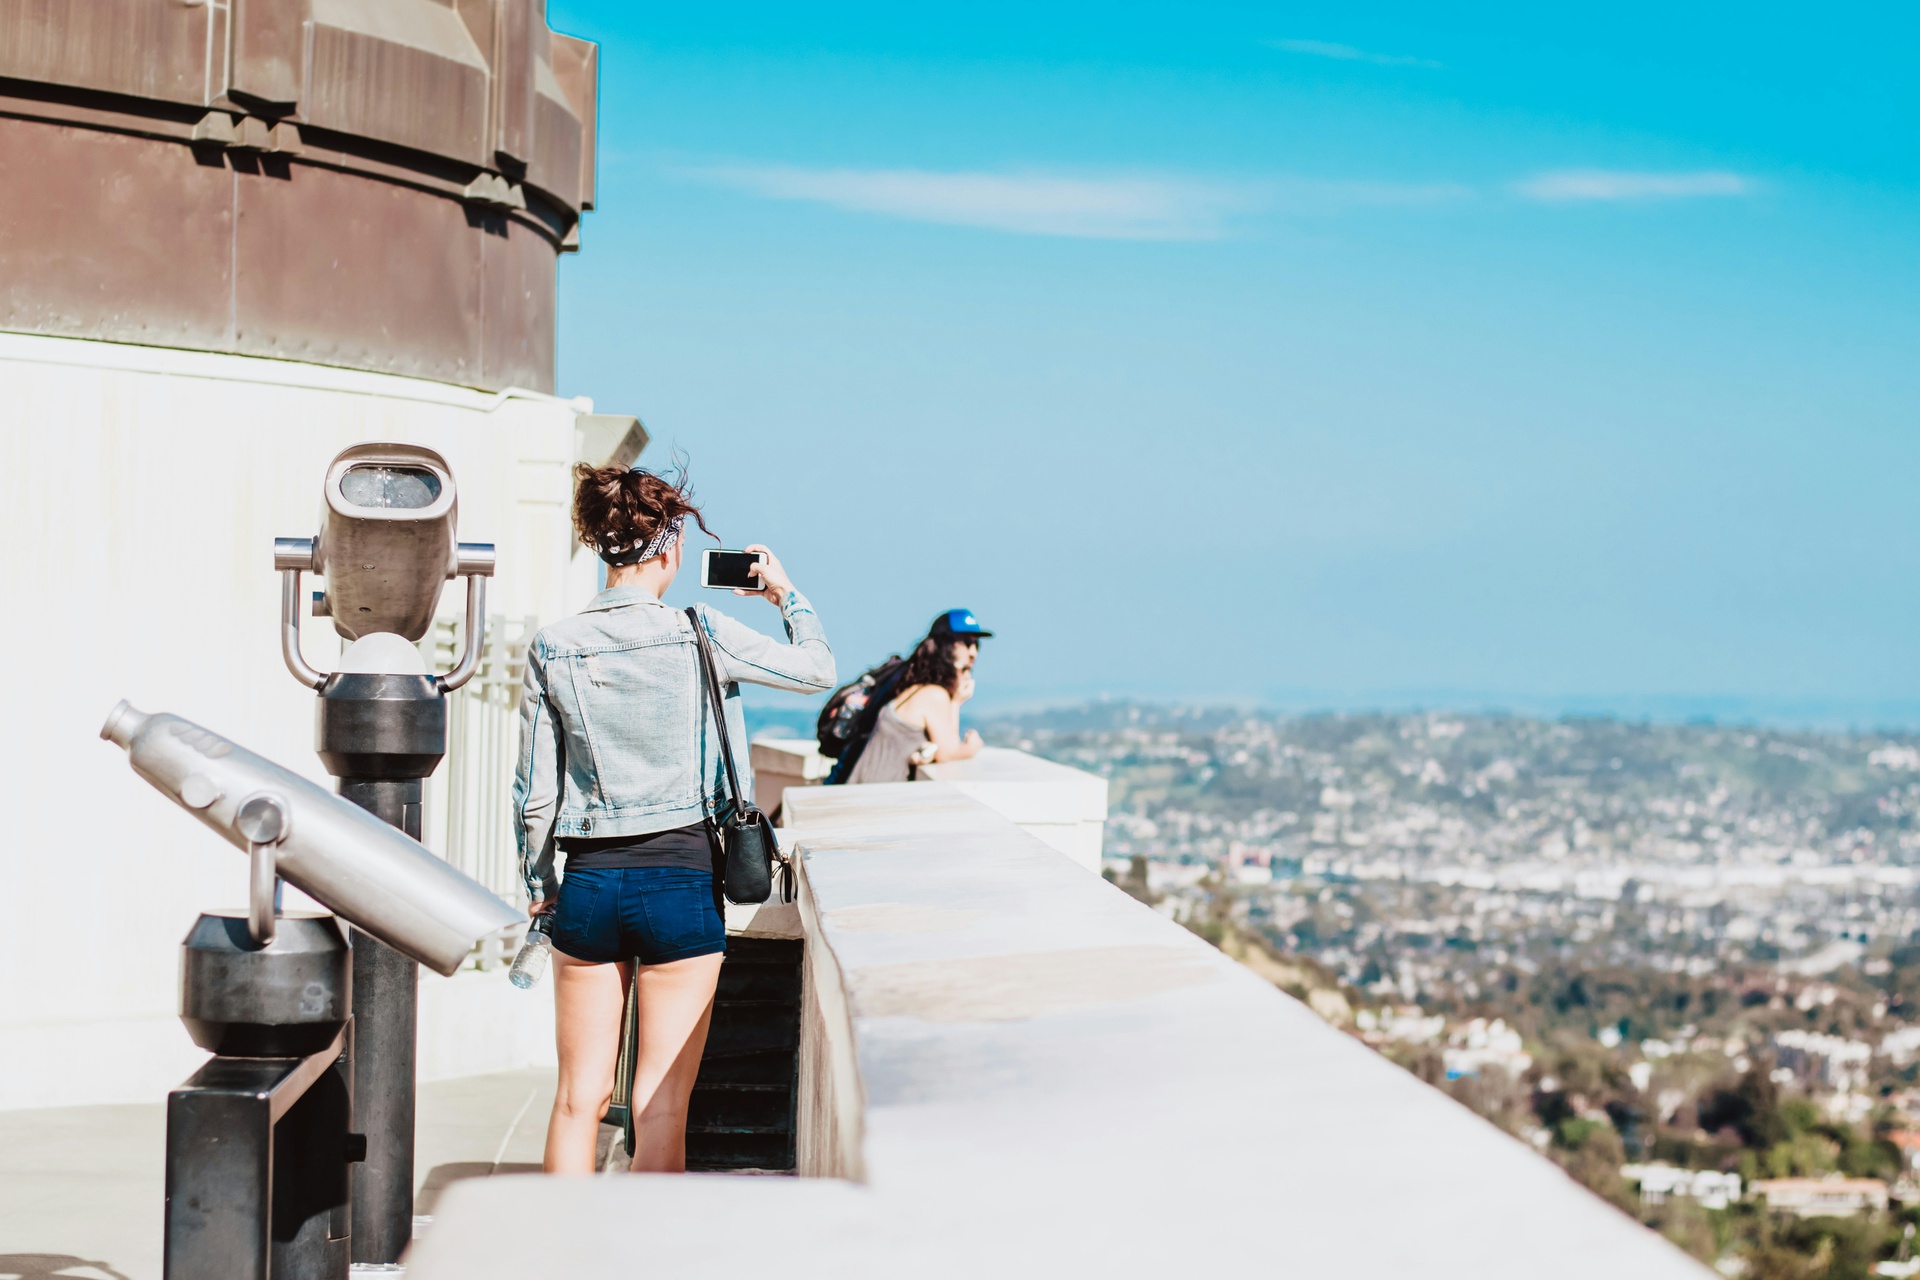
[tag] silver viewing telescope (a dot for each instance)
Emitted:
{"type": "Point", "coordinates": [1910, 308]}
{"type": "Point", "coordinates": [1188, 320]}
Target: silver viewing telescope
{"type": "Point", "coordinates": [290, 1153]}
{"type": "Point", "coordinates": [387, 545]}
{"type": "Point", "coordinates": [261, 1139]}
{"type": "Point", "coordinates": [337, 853]}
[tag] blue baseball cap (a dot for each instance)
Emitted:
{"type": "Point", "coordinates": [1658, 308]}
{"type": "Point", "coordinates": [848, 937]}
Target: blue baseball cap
{"type": "Point", "coordinates": [959, 622]}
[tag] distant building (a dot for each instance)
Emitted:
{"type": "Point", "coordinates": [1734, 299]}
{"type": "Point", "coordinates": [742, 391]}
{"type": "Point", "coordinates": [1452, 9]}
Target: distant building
{"type": "Point", "coordinates": [1834, 955]}
{"type": "Point", "coordinates": [1838, 1063]}
{"type": "Point", "coordinates": [1712, 1188]}
{"type": "Point", "coordinates": [1404, 1025]}
{"type": "Point", "coordinates": [1476, 1045]}
{"type": "Point", "coordinates": [1903, 1046]}
{"type": "Point", "coordinates": [1249, 864]}
{"type": "Point", "coordinates": [1830, 1197]}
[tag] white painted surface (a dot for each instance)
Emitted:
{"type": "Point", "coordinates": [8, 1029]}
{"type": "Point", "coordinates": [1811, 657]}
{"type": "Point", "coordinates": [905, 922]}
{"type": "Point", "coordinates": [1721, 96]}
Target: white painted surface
{"type": "Point", "coordinates": [1065, 807]}
{"type": "Point", "coordinates": [478, 1023]}
{"type": "Point", "coordinates": [140, 491]}
{"type": "Point", "coordinates": [779, 763]}
{"type": "Point", "coordinates": [1056, 1081]}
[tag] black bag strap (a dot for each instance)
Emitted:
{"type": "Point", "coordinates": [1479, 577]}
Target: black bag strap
{"type": "Point", "coordinates": [718, 702]}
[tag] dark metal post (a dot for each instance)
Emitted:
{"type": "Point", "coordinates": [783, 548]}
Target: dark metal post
{"type": "Point", "coordinates": [382, 735]}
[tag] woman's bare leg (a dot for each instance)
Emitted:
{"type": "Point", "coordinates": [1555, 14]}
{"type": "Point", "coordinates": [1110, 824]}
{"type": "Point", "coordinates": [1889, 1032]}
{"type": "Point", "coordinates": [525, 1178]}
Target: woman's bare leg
{"type": "Point", "coordinates": [676, 1004]}
{"type": "Point", "coordinates": [589, 1000]}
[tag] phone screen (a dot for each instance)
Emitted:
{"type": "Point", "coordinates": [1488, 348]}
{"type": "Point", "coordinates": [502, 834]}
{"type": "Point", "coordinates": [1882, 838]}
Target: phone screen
{"type": "Point", "coordinates": [729, 569]}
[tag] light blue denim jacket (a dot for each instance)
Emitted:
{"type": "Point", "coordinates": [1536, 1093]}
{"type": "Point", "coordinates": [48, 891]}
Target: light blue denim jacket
{"type": "Point", "coordinates": [616, 731]}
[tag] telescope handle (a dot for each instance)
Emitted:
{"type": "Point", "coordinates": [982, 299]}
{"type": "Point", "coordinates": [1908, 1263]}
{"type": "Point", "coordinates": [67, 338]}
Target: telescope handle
{"type": "Point", "coordinates": [263, 893]}
{"type": "Point", "coordinates": [290, 630]}
{"type": "Point", "coordinates": [476, 635]}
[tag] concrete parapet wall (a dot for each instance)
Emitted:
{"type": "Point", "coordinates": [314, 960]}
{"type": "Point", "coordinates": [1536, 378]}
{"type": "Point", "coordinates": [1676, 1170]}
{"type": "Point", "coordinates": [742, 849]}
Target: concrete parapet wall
{"type": "Point", "coordinates": [1065, 807]}
{"type": "Point", "coordinates": [1054, 1080]}
{"type": "Point", "coordinates": [779, 763]}
{"type": "Point", "coordinates": [829, 1126]}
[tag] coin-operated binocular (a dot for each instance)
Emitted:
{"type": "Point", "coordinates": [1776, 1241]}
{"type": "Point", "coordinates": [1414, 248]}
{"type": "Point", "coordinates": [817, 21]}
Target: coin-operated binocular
{"type": "Point", "coordinates": [258, 1140]}
{"type": "Point", "coordinates": [387, 545]}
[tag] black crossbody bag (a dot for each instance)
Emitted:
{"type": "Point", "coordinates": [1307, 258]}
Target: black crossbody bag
{"type": "Point", "coordinates": [746, 837]}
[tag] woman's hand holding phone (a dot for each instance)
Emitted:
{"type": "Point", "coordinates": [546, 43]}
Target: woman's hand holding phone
{"type": "Point", "coordinates": [774, 583]}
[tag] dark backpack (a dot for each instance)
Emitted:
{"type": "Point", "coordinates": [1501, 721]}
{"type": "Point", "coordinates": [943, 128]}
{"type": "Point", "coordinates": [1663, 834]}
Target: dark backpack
{"type": "Point", "coordinates": [847, 721]}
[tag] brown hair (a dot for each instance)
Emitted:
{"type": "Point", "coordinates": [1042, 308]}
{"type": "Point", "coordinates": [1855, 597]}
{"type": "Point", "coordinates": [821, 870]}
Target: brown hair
{"type": "Point", "coordinates": [616, 508]}
{"type": "Point", "coordinates": [931, 662]}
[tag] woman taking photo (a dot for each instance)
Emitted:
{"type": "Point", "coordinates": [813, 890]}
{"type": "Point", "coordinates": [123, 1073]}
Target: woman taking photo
{"type": "Point", "coordinates": [620, 775]}
{"type": "Point", "coordinates": [922, 723]}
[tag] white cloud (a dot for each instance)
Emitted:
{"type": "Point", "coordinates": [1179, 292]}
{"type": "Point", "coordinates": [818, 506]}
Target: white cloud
{"type": "Point", "coordinates": [1311, 196]}
{"type": "Point", "coordinates": [1347, 53]}
{"type": "Point", "coordinates": [1161, 206]}
{"type": "Point", "coordinates": [1134, 207]}
{"type": "Point", "coordinates": [1567, 185]}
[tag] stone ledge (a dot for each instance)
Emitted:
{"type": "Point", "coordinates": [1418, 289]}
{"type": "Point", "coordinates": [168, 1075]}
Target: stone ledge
{"type": "Point", "coordinates": [1054, 1080]}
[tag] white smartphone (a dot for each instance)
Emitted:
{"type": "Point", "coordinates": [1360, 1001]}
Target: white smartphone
{"type": "Point", "coordinates": [722, 570]}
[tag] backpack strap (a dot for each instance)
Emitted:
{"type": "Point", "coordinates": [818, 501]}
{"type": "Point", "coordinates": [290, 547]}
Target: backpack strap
{"type": "Point", "coordinates": [863, 727]}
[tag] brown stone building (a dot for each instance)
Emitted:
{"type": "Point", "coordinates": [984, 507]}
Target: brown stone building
{"type": "Point", "coordinates": [378, 184]}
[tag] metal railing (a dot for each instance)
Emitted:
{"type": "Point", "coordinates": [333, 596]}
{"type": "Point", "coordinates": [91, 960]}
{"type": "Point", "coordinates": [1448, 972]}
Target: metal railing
{"type": "Point", "coordinates": [472, 826]}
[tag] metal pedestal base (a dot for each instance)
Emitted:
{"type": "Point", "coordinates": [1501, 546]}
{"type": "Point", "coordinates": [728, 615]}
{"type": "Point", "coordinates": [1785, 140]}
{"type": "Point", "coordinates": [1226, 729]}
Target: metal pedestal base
{"type": "Point", "coordinates": [257, 1152]}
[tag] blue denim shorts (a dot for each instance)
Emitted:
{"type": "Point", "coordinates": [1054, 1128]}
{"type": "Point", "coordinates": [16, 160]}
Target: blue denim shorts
{"type": "Point", "coordinates": [654, 915]}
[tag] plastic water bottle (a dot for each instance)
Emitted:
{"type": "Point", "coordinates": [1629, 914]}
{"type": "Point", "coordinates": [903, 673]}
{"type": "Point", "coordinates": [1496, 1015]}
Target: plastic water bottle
{"type": "Point", "coordinates": [531, 964]}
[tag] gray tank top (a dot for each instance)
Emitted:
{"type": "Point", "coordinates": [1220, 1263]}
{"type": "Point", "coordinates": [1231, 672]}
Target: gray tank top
{"type": "Point", "coordinates": [893, 741]}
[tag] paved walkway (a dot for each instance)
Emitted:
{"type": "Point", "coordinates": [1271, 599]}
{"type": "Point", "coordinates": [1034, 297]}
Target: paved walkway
{"type": "Point", "coordinates": [81, 1187]}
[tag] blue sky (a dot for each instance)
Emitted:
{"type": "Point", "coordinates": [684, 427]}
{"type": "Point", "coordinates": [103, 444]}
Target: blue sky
{"type": "Point", "coordinates": [1310, 355]}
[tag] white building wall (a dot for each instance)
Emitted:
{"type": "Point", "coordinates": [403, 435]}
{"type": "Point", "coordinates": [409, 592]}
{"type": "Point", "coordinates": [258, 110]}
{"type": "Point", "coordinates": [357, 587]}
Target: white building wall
{"type": "Point", "coordinates": [140, 491]}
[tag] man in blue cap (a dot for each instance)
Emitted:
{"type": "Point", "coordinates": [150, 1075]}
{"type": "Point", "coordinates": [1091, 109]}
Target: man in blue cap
{"type": "Point", "coordinates": [908, 708]}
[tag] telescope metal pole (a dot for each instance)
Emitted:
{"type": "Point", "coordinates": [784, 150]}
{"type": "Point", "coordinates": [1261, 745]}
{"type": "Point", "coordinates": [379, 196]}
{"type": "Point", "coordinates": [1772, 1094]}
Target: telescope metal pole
{"type": "Point", "coordinates": [381, 735]}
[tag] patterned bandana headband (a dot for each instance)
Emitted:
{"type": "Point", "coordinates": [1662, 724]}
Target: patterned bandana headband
{"type": "Point", "coordinates": [658, 545]}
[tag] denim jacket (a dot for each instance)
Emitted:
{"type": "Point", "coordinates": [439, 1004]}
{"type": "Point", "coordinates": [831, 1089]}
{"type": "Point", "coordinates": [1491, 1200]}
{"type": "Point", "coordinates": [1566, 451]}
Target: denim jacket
{"type": "Point", "coordinates": [616, 730]}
